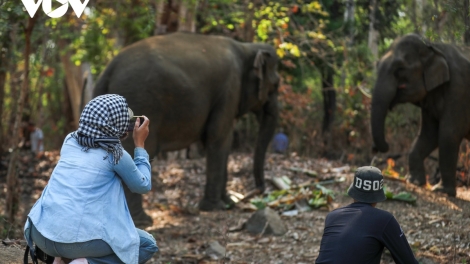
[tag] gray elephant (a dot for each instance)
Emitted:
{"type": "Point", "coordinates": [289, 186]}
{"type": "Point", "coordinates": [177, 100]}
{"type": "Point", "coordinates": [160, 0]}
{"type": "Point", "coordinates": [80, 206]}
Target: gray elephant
{"type": "Point", "coordinates": [436, 78]}
{"type": "Point", "coordinates": [192, 87]}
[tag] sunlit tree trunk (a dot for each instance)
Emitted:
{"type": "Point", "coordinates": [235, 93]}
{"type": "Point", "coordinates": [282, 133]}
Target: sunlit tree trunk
{"type": "Point", "coordinates": [250, 8]}
{"type": "Point", "coordinates": [373, 33]}
{"type": "Point", "coordinates": [166, 16]}
{"type": "Point", "coordinates": [73, 78]}
{"type": "Point", "coordinates": [349, 26]}
{"type": "Point", "coordinates": [12, 179]}
{"type": "Point", "coordinates": [67, 109]}
{"type": "Point", "coordinates": [248, 31]}
{"type": "Point", "coordinates": [160, 8]}
{"type": "Point", "coordinates": [420, 7]}
{"type": "Point", "coordinates": [87, 85]}
{"type": "Point", "coordinates": [187, 15]}
{"type": "Point", "coordinates": [349, 21]}
{"type": "Point", "coordinates": [440, 20]}
{"type": "Point", "coordinates": [187, 22]}
{"type": "Point", "coordinates": [414, 16]}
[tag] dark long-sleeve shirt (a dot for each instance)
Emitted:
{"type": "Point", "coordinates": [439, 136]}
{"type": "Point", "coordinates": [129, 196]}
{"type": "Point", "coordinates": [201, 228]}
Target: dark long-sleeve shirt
{"type": "Point", "coordinates": [358, 233]}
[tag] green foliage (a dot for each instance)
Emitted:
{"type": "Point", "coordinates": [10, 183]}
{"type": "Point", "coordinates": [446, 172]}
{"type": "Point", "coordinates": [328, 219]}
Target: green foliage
{"type": "Point", "coordinates": [401, 196]}
{"type": "Point", "coordinates": [311, 38]}
{"type": "Point", "coordinates": [96, 43]}
{"type": "Point", "coordinates": [320, 196]}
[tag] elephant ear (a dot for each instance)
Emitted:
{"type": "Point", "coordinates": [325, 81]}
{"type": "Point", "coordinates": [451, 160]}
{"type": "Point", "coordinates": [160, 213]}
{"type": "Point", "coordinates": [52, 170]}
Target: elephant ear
{"type": "Point", "coordinates": [260, 70]}
{"type": "Point", "coordinates": [436, 70]}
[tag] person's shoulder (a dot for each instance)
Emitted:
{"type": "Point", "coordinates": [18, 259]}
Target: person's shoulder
{"type": "Point", "coordinates": [382, 213]}
{"type": "Point", "coordinates": [70, 142]}
{"type": "Point", "coordinates": [68, 137]}
{"type": "Point", "coordinates": [338, 210]}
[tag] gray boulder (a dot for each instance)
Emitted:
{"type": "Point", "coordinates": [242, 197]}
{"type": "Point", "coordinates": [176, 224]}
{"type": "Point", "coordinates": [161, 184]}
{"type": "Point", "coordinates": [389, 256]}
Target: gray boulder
{"type": "Point", "coordinates": [266, 221]}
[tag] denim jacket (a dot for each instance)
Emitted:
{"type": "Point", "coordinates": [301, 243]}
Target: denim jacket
{"type": "Point", "coordinates": [84, 199]}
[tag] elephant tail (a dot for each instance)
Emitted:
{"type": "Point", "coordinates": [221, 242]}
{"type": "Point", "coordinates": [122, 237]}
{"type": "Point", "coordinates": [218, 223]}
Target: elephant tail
{"type": "Point", "coordinates": [102, 84]}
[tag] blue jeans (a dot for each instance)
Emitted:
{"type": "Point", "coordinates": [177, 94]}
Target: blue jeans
{"type": "Point", "coordinates": [95, 251]}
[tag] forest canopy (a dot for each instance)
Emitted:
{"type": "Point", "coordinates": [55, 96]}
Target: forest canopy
{"type": "Point", "coordinates": [328, 50]}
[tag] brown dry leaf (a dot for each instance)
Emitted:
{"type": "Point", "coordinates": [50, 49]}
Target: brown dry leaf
{"type": "Point", "coordinates": [249, 207]}
{"type": "Point", "coordinates": [181, 237]}
{"type": "Point", "coordinates": [264, 240]}
{"type": "Point", "coordinates": [239, 244]}
{"type": "Point", "coordinates": [416, 244]}
{"type": "Point", "coordinates": [192, 256]}
{"type": "Point", "coordinates": [435, 250]}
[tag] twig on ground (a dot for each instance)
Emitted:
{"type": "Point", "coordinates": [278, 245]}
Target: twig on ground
{"type": "Point", "coordinates": [262, 231]}
{"type": "Point", "coordinates": [394, 178]}
{"type": "Point", "coordinates": [250, 195]}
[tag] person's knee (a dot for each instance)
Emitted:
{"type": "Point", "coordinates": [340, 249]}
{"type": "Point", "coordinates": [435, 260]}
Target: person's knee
{"type": "Point", "coordinates": [148, 246]}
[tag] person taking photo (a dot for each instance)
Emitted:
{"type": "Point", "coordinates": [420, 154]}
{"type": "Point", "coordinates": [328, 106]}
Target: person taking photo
{"type": "Point", "coordinates": [82, 214]}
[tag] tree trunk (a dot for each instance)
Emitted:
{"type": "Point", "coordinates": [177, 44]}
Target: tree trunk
{"type": "Point", "coordinates": [87, 89]}
{"type": "Point", "coordinates": [73, 77]}
{"type": "Point", "coordinates": [440, 19]}
{"type": "Point", "coordinates": [36, 106]}
{"type": "Point", "coordinates": [420, 6]}
{"type": "Point", "coordinates": [187, 23]}
{"type": "Point", "coordinates": [67, 109]}
{"type": "Point", "coordinates": [160, 7]}
{"type": "Point", "coordinates": [414, 17]}
{"type": "Point", "coordinates": [349, 21]}
{"type": "Point", "coordinates": [12, 193]}
{"type": "Point", "coordinates": [187, 15]}
{"type": "Point", "coordinates": [4, 63]}
{"type": "Point", "coordinates": [329, 100]}
{"type": "Point", "coordinates": [14, 80]}
{"type": "Point", "coordinates": [248, 32]}
{"type": "Point", "coordinates": [329, 107]}
{"type": "Point", "coordinates": [349, 25]}
{"type": "Point", "coordinates": [466, 13]}
{"type": "Point", "coordinates": [373, 33]}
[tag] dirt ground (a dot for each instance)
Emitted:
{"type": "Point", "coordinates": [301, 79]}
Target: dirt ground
{"type": "Point", "coordinates": [437, 227]}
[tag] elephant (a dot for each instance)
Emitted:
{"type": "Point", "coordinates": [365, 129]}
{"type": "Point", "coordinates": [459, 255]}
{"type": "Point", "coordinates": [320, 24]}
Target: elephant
{"type": "Point", "coordinates": [193, 88]}
{"type": "Point", "coordinates": [436, 78]}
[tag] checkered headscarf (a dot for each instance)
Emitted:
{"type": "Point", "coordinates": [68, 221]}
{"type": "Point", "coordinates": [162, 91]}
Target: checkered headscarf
{"type": "Point", "coordinates": [103, 121]}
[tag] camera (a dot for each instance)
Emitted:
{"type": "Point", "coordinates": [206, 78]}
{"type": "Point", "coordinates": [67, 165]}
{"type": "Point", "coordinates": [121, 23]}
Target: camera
{"type": "Point", "coordinates": [132, 122]}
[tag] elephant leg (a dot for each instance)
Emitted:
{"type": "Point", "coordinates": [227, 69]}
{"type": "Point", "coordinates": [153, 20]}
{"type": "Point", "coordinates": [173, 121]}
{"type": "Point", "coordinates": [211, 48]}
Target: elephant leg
{"type": "Point", "coordinates": [448, 155]}
{"type": "Point", "coordinates": [134, 203]}
{"type": "Point", "coordinates": [425, 143]}
{"type": "Point", "coordinates": [134, 200]}
{"type": "Point", "coordinates": [218, 148]}
{"type": "Point", "coordinates": [229, 203]}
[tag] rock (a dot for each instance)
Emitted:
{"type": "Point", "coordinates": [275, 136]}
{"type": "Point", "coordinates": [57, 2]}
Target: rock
{"type": "Point", "coordinates": [266, 221]}
{"type": "Point", "coordinates": [215, 250]}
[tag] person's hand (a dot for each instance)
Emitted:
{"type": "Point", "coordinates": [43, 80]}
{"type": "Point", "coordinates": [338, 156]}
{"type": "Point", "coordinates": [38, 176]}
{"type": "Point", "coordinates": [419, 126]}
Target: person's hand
{"type": "Point", "coordinates": [140, 132]}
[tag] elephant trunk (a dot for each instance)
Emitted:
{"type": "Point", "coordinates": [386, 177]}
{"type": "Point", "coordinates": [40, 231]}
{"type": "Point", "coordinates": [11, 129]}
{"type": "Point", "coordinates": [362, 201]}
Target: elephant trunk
{"type": "Point", "coordinates": [382, 97]}
{"type": "Point", "coordinates": [267, 119]}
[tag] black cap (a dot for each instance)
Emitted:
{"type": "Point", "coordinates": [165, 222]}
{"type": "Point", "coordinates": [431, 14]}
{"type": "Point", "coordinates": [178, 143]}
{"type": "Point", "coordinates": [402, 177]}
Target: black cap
{"type": "Point", "coordinates": [367, 186]}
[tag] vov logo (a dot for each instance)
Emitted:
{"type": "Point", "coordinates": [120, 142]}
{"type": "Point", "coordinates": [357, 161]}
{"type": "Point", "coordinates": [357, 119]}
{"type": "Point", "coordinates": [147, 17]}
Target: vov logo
{"type": "Point", "coordinates": [32, 7]}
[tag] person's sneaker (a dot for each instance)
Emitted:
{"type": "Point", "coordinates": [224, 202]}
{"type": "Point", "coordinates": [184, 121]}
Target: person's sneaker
{"type": "Point", "coordinates": [79, 261]}
{"type": "Point", "coordinates": [58, 260]}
